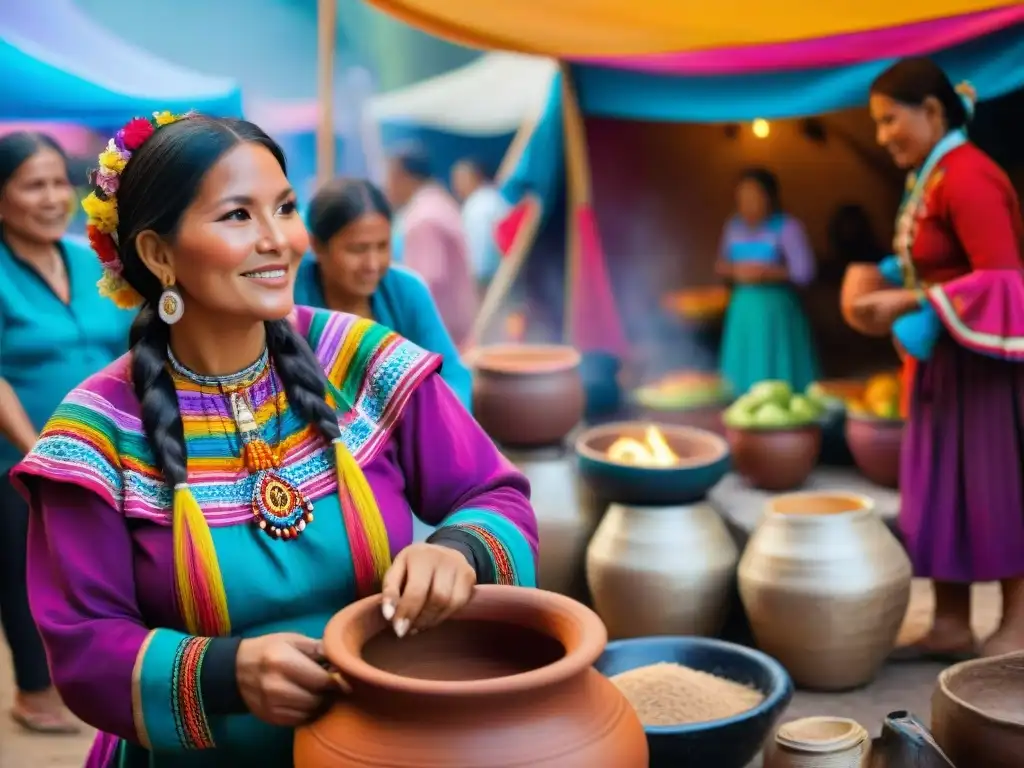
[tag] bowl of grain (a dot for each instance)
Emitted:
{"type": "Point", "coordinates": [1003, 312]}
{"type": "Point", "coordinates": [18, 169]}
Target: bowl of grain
{"type": "Point", "coordinates": [703, 702]}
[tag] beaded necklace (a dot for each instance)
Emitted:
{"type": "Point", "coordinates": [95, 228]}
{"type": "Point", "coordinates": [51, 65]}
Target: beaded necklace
{"type": "Point", "coordinates": [279, 508]}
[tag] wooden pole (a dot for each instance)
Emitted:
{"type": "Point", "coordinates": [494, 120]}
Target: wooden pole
{"type": "Point", "coordinates": [327, 36]}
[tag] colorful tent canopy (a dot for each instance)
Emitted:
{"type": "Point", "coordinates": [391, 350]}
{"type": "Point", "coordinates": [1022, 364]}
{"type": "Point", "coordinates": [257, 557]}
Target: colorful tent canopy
{"type": "Point", "coordinates": [615, 28]}
{"type": "Point", "coordinates": [58, 64]}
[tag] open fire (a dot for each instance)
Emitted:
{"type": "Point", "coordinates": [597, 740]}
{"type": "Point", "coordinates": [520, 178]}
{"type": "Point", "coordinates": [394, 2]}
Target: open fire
{"type": "Point", "coordinates": [652, 451]}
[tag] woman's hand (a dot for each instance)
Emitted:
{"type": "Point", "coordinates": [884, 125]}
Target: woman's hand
{"type": "Point", "coordinates": [753, 272]}
{"type": "Point", "coordinates": [282, 678]}
{"type": "Point", "coordinates": [882, 308]}
{"type": "Point", "coordinates": [426, 584]}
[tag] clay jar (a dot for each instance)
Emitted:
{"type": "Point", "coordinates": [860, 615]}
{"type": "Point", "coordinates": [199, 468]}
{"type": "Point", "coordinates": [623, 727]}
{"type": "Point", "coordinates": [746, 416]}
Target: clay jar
{"type": "Point", "coordinates": [527, 395]}
{"type": "Point", "coordinates": [775, 459]}
{"type": "Point", "coordinates": [978, 712]}
{"type": "Point", "coordinates": [825, 585]}
{"type": "Point", "coordinates": [875, 445]}
{"type": "Point", "coordinates": [861, 278]}
{"type": "Point", "coordinates": [508, 681]}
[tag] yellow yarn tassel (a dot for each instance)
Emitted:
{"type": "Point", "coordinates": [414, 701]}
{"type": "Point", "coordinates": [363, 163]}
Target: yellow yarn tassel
{"type": "Point", "coordinates": [368, 536]}
{"type": "Point", "coordinates": [204, 603]}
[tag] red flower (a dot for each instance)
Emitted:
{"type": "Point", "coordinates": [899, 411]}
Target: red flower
{"type": "Point", "coordinates": [104, 246]}
{"type": "Point", "coordinates": [136, 132]}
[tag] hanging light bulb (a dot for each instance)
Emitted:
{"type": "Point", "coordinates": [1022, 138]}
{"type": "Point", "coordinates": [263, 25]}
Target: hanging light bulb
{"type": "Point", "coordinates": [761, 128]}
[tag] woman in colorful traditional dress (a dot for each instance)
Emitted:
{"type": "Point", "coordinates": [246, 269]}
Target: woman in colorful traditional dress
{"type": "Point", "coordinates": [958, 315]}
{"type": "Point", "coordinates": [350, 224]}
{"type": "Point", "coordinates": [766, 256]}
{"type": "Point", "coordinates": [54, 331]}
{"type": "Point", "coordinates": [204, 504]}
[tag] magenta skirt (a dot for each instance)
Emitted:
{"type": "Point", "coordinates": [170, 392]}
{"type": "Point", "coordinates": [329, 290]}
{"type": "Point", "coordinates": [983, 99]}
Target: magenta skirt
{"type": "Point", "coordinates": [962, 468]}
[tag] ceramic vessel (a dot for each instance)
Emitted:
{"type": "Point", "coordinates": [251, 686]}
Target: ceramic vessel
{"type": "Point", "coordinates": [527, 395]}
{"type": "Point", "coordinates": [507, 681]}
{"type": "Point", "coordinates": [861, 279]}
{"type": "Point", "coordinates": [906, 743]}
{"type": "Point", "coordinates": [978, 712]}
{"type": "Point", "coordinates": [821, 742]}
{"type": "Point", "coordinates": [563, 523]}
{"type": "Point", "coordinates": [875, 445]}
{"type": "Point", "coordinates": [639, 582]}
{"type": "Point", "coordinates": [825, 585]}
{"type": "Point", "coordinates": [775, 459]}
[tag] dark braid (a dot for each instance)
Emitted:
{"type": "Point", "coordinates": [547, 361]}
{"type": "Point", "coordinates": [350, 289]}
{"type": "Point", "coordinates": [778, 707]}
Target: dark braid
{"type": "Point", "coordinates": [303, 377]}
{"type": "Point", "coordinates": [154, 387]}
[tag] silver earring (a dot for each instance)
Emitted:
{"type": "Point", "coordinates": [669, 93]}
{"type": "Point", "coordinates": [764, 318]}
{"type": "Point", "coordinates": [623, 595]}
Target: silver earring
{"type": "Point", "coordinates": [171, 307]}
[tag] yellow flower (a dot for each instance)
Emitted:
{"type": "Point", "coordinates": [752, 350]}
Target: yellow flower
{"type": "Point", "coordinates": [102, 213]}
{"type": "Point", "coordinates": [111, 158]}
{"type": "Point", "coordinates": [115, 288]}
{"type": "Point", "coordinates": [165, 118]}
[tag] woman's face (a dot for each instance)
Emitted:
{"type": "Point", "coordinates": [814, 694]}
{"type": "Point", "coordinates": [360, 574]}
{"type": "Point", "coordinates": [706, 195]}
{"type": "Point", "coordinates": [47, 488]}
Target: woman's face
{"type": "Point", "coordinates": [752, 203]}
{"type": "Point", "coordinates": [239, 243]}
{"type": "Point", "coordinates": [908, 133]}
{"type": "Point", "coordinates": [36, 201]}
{"type": "Point", "coordinates": [355, 260]}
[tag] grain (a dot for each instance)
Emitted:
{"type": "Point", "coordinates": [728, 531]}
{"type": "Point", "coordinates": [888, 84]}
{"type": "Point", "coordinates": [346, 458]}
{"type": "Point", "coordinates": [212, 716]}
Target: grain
{"type": "Point", "coordinates": [671, 694]}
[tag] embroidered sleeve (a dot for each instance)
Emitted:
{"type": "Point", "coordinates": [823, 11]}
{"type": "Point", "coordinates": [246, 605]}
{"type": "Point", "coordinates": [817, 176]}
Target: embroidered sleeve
{"type": "Point", "coordinates": [457, 479]}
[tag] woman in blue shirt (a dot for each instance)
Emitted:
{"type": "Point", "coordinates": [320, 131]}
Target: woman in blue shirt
{"type": "Point", "coordinates": [55, 331]}
{"type": "Point", "coordinates": [349, 221]}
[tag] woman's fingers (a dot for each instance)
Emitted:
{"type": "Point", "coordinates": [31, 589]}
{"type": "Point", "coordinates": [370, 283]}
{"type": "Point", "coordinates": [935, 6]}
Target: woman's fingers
{"type": "Point", "coordinates": [462, 591]}
{"type": "Point", "coordinates": [391, 587]}
{"type": "Point", "coordinates": [414, 596]}
{"type": "Point", "coordinates": [442, 586]}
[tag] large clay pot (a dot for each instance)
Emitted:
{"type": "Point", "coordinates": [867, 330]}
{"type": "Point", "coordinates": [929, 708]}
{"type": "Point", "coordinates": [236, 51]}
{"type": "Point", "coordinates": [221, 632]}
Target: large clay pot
{"type": "Point", "coordinates": [825, 585]}
{"type": "Point", "coordinates": [527, 395]}
{"type": "Point", "coordinates": [861, 278]}
{"type": "Point", "coordinates": [775, 459]}
{"type": "Point", "coordinates": [507, 681]}
{"type": "Point", "coordinates": [661, 562]}
{"type": "Point", "coordinates": [875, 445]}
{"type": "Point", "coordinates": [978, 712]}
{"type": "Point", "coordinates": [563, 524]}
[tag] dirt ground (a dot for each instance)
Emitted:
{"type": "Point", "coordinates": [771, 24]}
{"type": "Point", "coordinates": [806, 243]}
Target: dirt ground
{"type": "Point", "coordinates": [900, 686]}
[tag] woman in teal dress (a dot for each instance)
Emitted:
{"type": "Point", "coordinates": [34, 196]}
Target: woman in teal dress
{"type": "Point", "coordinates": [54, 331]}
{"type": "Point", "coordinates": [204, 504]}
{"type": "Point", "coordinates": [351, 226]}
{"type": "Point", "coordinates": [766, 257]}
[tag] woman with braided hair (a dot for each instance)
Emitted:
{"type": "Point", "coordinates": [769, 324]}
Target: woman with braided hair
{"type": "Point", "coordinates": [203, 505]}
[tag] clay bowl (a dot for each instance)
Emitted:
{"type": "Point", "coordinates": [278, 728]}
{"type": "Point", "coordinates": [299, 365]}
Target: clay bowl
{"type": "Point", "coordinates": [860, 280]}
{"type": "Point", "coordinates": [775, 459]}
{"type": "Point", "coordinates": [527, 395]}
{"type": "Point", "coordinates": [727, 743]}
{"type": "Point", "coordinates": [704, 460]}
{"type": "Point", "coordinates": [875, 445]}
{"type": "Point", "coordinates": [978, 712]}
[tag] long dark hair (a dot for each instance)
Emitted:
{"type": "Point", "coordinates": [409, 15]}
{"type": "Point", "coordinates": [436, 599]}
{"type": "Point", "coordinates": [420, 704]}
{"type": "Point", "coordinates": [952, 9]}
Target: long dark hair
{"type": "Point", "coordinates": [340, 202]}
{"type": "Point", "coordinates": [157, 185]}
{"type": "Point", "coordinates": [769, 184]}
{"type": "Point", "coordinates": [18, 147]}
{"type": "Point", "coordinates": [912, 81]}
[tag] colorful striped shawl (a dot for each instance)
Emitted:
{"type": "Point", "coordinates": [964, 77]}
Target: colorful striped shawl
{"type": "Point", "coordinates": [95, 438]}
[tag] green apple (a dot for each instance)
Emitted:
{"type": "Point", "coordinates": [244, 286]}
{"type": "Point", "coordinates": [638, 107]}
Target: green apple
{"type": "Point", "coordinates": [772, 415]}
{"type": "Point", "coordinates": [777, 392]}
{"type": "Point", "coordinates": [817, 394]}
{"type": "Point", "coordinates": [803, 409]}
{"type": "Point", "coordinates": [740, 418]}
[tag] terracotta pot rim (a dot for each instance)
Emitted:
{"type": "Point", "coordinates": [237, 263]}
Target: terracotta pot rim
{"type": "Point", "coordinates": [868, 508]}
{"type": "Point", "coordinates": [579, 630]}
{"type": "Point", "coordinates": [949, 672]}
{"type": "Point", "coordinates": [809, 429]}
{"type": "Point", "coordinates": [562, 357]}
{"type": "Point", "coordinates": [855, 735]}
{"type": "Point", "coordinates": [616, 428]}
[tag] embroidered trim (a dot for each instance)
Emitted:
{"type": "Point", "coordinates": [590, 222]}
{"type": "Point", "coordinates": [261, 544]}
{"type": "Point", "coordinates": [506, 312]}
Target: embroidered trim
{"type": "Point", "coordinates": [988, 343]}
{"type": "Point", "coordinates": [504, 568]}
{"type": "Point", "coordinates": [186, 699]}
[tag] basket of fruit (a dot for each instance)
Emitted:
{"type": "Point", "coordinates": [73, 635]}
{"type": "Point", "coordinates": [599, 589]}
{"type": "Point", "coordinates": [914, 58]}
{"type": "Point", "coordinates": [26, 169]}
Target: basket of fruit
{"type": "Point", "coordinates": [684, 398]}
{"type": "Point", "coordinates": [874, 429]}
{"type": "Point", "coordinates": [775, 435]}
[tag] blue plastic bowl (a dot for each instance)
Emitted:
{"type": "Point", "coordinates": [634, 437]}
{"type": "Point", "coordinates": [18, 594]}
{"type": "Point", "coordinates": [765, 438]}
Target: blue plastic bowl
{"type": "Point", "coordinates": [728, 743]}
{"type": "Point", "coordinates": [704, 460]}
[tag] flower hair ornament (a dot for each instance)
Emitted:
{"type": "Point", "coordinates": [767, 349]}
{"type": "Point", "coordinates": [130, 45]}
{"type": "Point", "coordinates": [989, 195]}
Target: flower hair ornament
{"type": "Point", "coordinates": [969, 96]}
{"type": "Point", "coordinates": [101, 206]}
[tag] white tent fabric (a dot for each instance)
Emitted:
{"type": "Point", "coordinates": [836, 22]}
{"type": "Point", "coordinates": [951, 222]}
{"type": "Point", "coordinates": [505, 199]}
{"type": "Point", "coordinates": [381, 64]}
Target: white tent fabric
{"type": "Point", "coordinates": [491, 96]}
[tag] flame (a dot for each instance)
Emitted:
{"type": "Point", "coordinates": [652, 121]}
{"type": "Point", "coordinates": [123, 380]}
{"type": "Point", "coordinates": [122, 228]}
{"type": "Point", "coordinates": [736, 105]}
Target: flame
{"type": "Point", "coordinates": [653, 451]}
{"type": "Point", "coordinates": [515, 326]}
